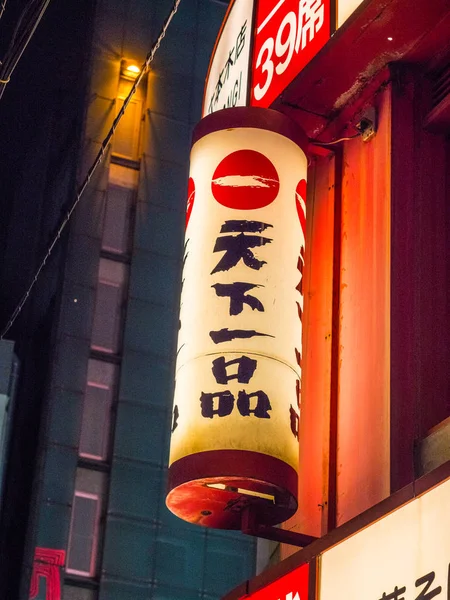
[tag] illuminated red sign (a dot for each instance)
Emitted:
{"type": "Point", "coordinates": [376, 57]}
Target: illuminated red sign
{"type": "Point", "coordinates": [47, 566]}
{"type": "Point", "coordinates": [288, 33]}
{"type": "Point", "coordinates": [293, 586]}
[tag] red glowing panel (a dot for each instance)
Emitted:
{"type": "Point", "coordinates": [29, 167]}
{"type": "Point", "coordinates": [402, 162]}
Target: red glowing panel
{"type": "Point", "coordinates": [288, 34]}
{"type": "Point", "coordinates": [47, 566]}
{"type": "Point", "coordinates": [293, 586]}
{"type": "Point", "coordinates": [190, 200]}
{"type": "Point", "coordinates": [245, 180]}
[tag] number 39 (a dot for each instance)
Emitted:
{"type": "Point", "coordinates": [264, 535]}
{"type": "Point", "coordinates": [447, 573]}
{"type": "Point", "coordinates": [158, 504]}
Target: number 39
{"type": "Point", "coordinates": [284, 46]}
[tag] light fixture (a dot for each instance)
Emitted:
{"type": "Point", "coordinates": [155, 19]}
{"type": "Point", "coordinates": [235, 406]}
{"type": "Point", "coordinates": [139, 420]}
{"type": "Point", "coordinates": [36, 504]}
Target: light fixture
{"type": "Point", "coordinates": [129, 69]}
{"type": "Point", "coordinates": [245, 492]}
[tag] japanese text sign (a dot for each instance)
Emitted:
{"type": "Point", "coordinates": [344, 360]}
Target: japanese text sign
{"type": "Point", "coordinates": [228, 76]}
{"type": "Point", "coordinates": [293, 586]}
{"type": "Point", "coordinates": [288, 34]}
{"type": "Point", "coordinates": [284, 34]}
{"type": "Point", "coordinates": [404, 556]}
{"type": "Point", "coordinates": [239, 346]}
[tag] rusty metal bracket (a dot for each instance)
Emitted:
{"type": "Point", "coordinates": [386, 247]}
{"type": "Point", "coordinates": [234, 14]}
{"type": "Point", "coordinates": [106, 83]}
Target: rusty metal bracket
{"type": "Point", "coordinates": [250, 526]}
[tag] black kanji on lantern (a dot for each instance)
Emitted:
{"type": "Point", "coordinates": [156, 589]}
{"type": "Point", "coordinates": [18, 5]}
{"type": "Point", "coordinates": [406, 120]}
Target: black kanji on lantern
{"type": "Point", "coordinates": [238, 247]}
{"type": "Point", "coordinates": [175, 415]}
{"type": "Point", "coordinates": [222, 407]}
{"type": "Point", "coordinates": [300, 266]}
{"type": "Point", "coordinates": [298, 391]}
{"type": "Point", "coordinates": [237, 293]}
{"type": "Point", "coordinates": [221, 404]}
{"type": "Point", "coordinates": [294, 420]}
{"type": "Point", "coordinates": [227, 335]}
{"type": "Point", "coordinates": [245, 369]}
{"type": "Point", "coordinates": [261, 408]}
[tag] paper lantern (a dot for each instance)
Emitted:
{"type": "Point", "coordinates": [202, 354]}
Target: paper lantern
{"type": "Point", "coordinates": [234, 442]}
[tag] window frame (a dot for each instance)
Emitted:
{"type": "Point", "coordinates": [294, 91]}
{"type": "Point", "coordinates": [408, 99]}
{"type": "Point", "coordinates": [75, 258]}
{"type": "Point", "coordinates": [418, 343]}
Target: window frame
{"type": "Point", "coordinates": [95, 536]}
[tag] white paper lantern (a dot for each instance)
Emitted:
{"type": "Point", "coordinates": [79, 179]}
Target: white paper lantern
{"type": "Point", "coordinates": [236, 408]}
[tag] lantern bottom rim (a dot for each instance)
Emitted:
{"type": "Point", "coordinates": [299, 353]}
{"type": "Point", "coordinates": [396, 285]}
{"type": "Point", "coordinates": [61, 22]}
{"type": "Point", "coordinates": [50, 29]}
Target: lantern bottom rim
{"type": "Point", "coordinates": [215, 487]}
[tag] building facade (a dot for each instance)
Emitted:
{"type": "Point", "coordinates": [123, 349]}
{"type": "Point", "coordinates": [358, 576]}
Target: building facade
{"type": "Point", "coordinates": [83, 513]}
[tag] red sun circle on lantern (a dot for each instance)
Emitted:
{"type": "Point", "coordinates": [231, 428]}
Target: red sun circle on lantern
{"type": "Point", "coordinates": [245, 180]}
{"type": "Point", "coordinates": [190, 199]}
{"type": "Point", "coordinates": [300, 202]}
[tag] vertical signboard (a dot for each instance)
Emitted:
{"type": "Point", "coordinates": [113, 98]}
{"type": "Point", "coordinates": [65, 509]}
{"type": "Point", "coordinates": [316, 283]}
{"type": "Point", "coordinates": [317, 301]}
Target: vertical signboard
{"type": "Point", "coordinates": [288, 33]}
{"type": "Point", "coordinates": [236, 408]}
{"type": "Point", "coordinates": [227, 81]}
{"type": "Point", "coordinates": [404, 556]}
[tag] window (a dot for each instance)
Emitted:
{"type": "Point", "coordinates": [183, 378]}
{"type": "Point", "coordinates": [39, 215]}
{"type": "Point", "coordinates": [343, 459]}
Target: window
{"type": "Point", "coordinates": [95, 427]}
{"type": "Point", "coordinates": [83, 534]}
{"type": "Point", "coordinates": [108, 306]}
{"type": "Point", "coordinates": [85, 523]}
{"type": "Point", "coordinates": [115, 236]}
{"type": "Point", "coordinates": [78, 593]}
{"type": "Point", "coordinates": [126, 137]}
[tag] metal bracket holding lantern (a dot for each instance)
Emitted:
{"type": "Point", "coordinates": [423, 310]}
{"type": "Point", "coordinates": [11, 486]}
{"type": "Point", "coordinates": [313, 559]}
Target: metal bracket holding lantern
{"type": "Point", "coordinates": [251, 526]}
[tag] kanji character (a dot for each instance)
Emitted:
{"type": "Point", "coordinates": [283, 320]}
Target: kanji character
{"type": "Point", "coordinates": [262, 407]}
{"type": "Point", "coordinates": [310, 19]}
{"type": "Point", "coordinates": [226, 335]}
{"type": "Point", "coordinates": [236, 292]}
{"type": "Point", "coordinates": [245, 369]}
{"type": "Point", "coordinates": [224, 407]}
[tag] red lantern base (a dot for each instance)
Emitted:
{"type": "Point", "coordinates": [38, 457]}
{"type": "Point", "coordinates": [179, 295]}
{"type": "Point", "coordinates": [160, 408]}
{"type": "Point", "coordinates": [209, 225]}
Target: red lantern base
{"type": "Point", "coordinates": [214, 488]}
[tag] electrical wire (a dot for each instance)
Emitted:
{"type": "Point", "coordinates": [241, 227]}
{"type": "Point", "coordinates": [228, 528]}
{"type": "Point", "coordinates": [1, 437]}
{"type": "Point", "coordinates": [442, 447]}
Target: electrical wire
{"type": "Point", "coordinates": [2, 7]}
{"type": "Point", "coordinates": [25, 28]}
{"type": "Point", "coordinates": [344, 139]}
{"type": "Point", "coordinates": [98, 159]}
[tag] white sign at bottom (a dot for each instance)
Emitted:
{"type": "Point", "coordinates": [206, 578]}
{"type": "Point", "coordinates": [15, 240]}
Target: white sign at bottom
{"type": "Point", "coordinates": [404, 556]}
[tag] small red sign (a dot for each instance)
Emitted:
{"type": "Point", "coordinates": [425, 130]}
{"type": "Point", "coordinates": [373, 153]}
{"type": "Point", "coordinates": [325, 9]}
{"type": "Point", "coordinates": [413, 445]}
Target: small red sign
{"type": "Point", "coordinates": [293, 586]}
{"type": "Point", "coordinates": [288, 33]}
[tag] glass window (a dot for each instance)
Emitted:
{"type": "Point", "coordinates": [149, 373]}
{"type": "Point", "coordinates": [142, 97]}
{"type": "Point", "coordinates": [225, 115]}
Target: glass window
{"type": "Point", "coordinates": [116, 224]}
{"type": "Point", "coordinates": [83, 534]}
{"type": "Point", "coordinates": [107, 315]}
{"type": "Point", "coordinates": [95, 427]}
{"type": "Point", "coordinates": [71, 592]}
{"type": "Point", "coordinates": [126, 137]}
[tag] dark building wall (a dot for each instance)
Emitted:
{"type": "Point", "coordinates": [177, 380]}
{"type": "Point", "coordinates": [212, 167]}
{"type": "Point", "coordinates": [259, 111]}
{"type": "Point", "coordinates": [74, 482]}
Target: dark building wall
{"type": "Point", "coordinates": [141, 550]}
{"type": "Point", "coordinates": [41, 113]}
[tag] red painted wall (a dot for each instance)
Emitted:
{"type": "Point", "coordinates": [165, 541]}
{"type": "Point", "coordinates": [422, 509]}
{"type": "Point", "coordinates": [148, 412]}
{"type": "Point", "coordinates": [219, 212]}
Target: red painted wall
{"type": "Point", "coordinates": [364, 340]}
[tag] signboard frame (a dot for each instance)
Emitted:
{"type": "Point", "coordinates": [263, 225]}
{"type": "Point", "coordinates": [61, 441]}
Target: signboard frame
{"type": "Point", "coordinates": [216, 44]}
{"type": "Point", "coordinates": [307, 41]}
{"type": "Point", "coordinates": [332, 16]}
{"type": "Point", "coordinates": [310, 553]}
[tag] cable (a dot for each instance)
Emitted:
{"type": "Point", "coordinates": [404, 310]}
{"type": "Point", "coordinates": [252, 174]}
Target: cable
{"type": "Point", "coordinates": [25, 28]}
{"type": "Point", "coordinates": [97, 161]}
{"type": "Point", "coordinates": [344, 139]}
{"type": "Point", "coordinates": [2, 8]}
{"type": "Point", "coordinates": [306, 110]}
